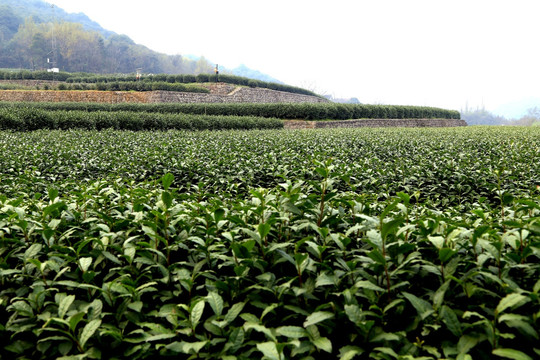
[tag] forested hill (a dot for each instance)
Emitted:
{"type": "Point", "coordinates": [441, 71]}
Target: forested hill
{"type": "Point", "coordinates": [28, 28]}
{"type": "Point", "coordinates": [14, 12]}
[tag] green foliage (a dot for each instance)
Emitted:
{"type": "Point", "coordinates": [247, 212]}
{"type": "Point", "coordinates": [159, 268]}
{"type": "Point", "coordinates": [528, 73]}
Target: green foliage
{"type": "Point", "coordinates": [33, 75]}
{"type": "Point", "coordinates": [202, 78]}
{"type": "Point", "coordinates": [31, 118]}
{"type": "Point", "coordinates": [350, 243]}
{"type": "Point", "coordinates": [139, 86]}
{"type": "Point", "coordinates": [187, 78]}
{"type": "Point", "coordinates": [304, 111]}
{"type": "Point", "coordinates": [149, 82]}
{"type": "Point", "coordinates": [26, 44]}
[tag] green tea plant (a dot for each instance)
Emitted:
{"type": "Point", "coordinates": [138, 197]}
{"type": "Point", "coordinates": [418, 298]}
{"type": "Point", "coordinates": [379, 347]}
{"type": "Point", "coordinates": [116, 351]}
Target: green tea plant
{"type": "Point", "coordinates": [379, 243]}
{"type": "Point", "coordinates": [304, 111]}
{"type": "Point", "coordinates": [30, 118]}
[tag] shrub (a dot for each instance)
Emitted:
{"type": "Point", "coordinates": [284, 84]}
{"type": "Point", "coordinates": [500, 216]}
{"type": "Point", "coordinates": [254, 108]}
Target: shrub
{"type": "Point", "coordinates": [160, 77]}
{"type": "Point", "coordinates": [9, 120]}
{"type": "Point", "coordinates": [152, 121]}
{"type": "Point", "coordinates": [75, 120]}
{"type": "Point", "coordinates": [311, 111]}
{"type": "Point", "coordinates": [105, 120]}
{"type": "Point", "coordinates": [35, 119]}
{"type": "Point", "coordinates": [130, 121]}
{"type": "Point", "coordinates": [101, 86]}
{"type": "Point", "coordinates": [202, 78]}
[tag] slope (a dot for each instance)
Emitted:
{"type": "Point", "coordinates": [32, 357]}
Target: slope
{"type": "Point", "coordinates": [28, 28]}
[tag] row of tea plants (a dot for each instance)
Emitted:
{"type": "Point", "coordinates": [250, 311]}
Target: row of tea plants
{"type": "Point", "coordinates": [133, 86]}
{"type": "Point", "coordinates": [178, 79]}
{"type": "Point", "coordinates": [190, 79]}
{"type": "Point", "coordinates": [30, 118]}
{"type": "Point", "coordinates": [305, 111]}
{"type": "Point", "coordinates": [379, 243]}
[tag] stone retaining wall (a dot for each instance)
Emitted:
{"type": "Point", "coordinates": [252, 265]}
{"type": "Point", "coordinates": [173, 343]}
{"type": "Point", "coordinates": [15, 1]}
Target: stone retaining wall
{"type": "Point", "coordinates": [238, 95]}
{"type": "Point", "coordinates": [32, 83]}
{"type": "Point", "coordinates": [299, 124]}
{"type": "Point", "coordinates": [110, 97]}
{"type": "Point", "coordinates": [234, 95]}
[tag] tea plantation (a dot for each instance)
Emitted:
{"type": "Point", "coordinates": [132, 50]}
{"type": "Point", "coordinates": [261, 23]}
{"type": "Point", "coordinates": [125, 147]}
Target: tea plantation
{"type": "Point", "coordinates": [342, 243]}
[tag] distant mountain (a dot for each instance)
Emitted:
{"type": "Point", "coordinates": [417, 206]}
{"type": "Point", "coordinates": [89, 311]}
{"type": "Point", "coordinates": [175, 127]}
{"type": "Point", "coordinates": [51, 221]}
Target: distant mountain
{"type": "Point", "coordinates": [481, 116]}
{"type": "Point", "coordinates": [43, 12]}
{"type": "Point", "coordinates": [517, 109]}
{"type": "Point", "coordinates": [244, 71]}
{"type": "Point", "coordinates": [28, 28]}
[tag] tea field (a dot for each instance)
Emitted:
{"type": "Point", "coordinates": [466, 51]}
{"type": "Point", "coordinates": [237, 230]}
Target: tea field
{"type": "Point", "coordinates": [341, 243]}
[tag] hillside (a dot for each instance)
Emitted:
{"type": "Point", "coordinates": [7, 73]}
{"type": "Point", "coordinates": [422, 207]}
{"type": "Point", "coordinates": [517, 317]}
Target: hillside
{"type": "Point", "coordinates": [28, 28]}
{"type": "Point", "coordinates": [18, 10]}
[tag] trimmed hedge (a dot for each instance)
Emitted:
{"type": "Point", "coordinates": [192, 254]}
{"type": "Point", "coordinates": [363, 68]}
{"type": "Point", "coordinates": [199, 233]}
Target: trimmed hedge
{"type": "Point", "coordinates": [139, 86]}
{"type": "Point", "coordinates": [116, 86]}
{"type": "Point", "coordinates": [86, 78]}
{"type": "Point", "coordinates": [33, 75]}
{"type": "Point", "coordinates": [28, 118]}
{"type": "Point", "coordinates": [300, 111]}
{"type": "Point", "coordinates": [187, 78]}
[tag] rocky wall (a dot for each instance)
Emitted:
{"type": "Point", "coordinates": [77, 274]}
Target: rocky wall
{"type": "Point", "coordinates": [299, 124]}
{"type": "Point", "coordinates": [110, 97]}
{"type": "Point", "coordinates": [239, 94]}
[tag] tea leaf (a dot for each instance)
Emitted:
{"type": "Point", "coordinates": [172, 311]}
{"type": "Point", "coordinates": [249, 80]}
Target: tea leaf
{"type": "Point", "coordinates": [187, 347]}
{"type": "Point", "coordinates": [196, 313]}
{"type": "Point", "coordinates": [263, 229]}
{"type": "Point", "coordinates": [445, 254]}
{"type": "Point", "coordinates": [236, 339]}
{"type": "Point", "coordinates": [364, 284]}
{"type": "Point", "coordinates": [23, 308]}
{"type": "Point", "coordinates": [318, 317]}
{"type": "Point", "coordinates": [216, 302]}
{"type": "Point", "coordinates": [88, 331]}
{"type": "Point", "coordinates": [466, 343]}
{"type": "Point", "coordinates": [269, 350]}
{"type": "Point", "coordinates": [323, 343]}
{"type": "Point", "coordinates": [451, 320]}
{"type": "Point", "coordinates": [511, 354]}
{"type": "Point", "coordinates": [519, 322]}
{"type": "Point", "coordinates": [167, 180]}
{"type": "Point", "coordinates": [349, 352]}
{"type": "Point", "coordinates": [234, 311]}
{"type": "Point", "coordinates": [74, 320]}
{"type": "Point", "coordinates": [510, 301]}
{"type": "Point", "coordinates": [85, 263]}
{"type": "Point", "coordinates": [294, 332]}
{"type": "Point", "coordinates": [259, 328]}
{"type": "Point", "coordinates": [167, 199]}
{"type": "Point", "coordinates": [64, 305]}
{"type": "Point", "coordinates": [32, 251]}
{"type": "Point", "coordinates": [423, 308]}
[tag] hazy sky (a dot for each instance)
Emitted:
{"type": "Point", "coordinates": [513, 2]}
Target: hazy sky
{"type": "Point", "coordinates": [417, 52]}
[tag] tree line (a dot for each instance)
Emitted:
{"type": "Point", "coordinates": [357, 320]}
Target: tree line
{"type": "Point", "coordinates": [69, 47]}
{"type": "Point", "coordinates": [481, 116]}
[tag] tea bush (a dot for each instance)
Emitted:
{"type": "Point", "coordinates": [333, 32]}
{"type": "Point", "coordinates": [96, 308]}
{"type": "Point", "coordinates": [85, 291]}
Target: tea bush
{"type": "Point", "coordinates": [304, 111]}
{"type": "Point", "coordinates": [31, 118]}
{"type": "Point", "coordinates": [362, 243]}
